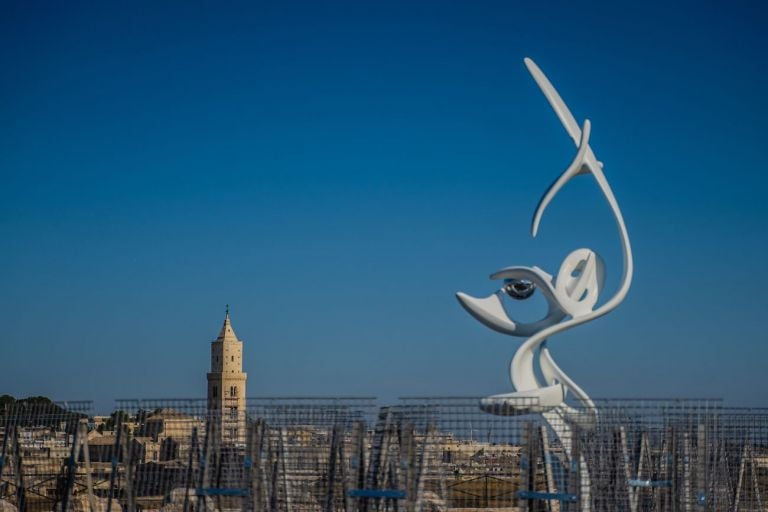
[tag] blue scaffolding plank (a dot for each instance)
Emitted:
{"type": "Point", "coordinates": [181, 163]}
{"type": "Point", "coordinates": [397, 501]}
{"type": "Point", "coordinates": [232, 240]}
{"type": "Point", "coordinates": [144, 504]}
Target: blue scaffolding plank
{"type": "Point", "coordinates": [559, 496]}
{"type": "Point", "coordinates": [220, 491]}
{"type": "Point", "coordinates": [395, 494]}
{"type": "Point", "coordinates": [634, 482]}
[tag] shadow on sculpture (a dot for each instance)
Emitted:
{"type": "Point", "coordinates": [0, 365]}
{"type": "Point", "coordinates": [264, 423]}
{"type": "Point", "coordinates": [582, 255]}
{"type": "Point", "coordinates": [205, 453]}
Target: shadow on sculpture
{"type": "Point", "coordinates": [571, 296]}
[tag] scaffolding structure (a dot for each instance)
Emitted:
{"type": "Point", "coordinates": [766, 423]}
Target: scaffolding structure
{"type": "Point", "coordinates": [350, 454]}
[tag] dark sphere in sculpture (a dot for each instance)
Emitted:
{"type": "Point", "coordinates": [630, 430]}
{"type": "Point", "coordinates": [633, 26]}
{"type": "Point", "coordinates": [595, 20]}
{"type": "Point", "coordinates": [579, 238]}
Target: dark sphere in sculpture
{"type": "Point", "coordinates": [519, 289]}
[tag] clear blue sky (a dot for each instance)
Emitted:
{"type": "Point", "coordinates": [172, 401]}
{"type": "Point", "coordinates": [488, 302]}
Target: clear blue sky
{"type": "Point", "coordinates": [336, 171]}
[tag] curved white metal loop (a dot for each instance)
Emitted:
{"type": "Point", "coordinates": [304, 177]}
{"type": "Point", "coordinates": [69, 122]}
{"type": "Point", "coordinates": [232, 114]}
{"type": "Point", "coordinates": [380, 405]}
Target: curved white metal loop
{"type": "Point", "coordinates": [574, 292]}
{"type": "Point", "coordinates": [491, 312]}
{"type": "Point", "coordinates": [579, 281]}
{"type": "Point", "coordinates": [560, 108]}
{"type": "Point", "coordinates": [575, 168]}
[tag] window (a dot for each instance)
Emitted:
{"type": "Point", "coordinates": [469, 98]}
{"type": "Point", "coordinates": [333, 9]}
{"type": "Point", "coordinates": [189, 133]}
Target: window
{"type": "Point", "coordinates": [215, 391]}
{"type": "Point", "coordinates": [233, 359]}
{"type": "Point", "coordinates": [233, 391]}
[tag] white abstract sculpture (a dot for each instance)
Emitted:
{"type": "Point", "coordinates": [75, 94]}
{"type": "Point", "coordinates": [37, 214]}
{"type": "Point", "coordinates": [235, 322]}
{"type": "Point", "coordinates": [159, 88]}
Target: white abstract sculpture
{"type": "Point", "coordinates": [571, 296]}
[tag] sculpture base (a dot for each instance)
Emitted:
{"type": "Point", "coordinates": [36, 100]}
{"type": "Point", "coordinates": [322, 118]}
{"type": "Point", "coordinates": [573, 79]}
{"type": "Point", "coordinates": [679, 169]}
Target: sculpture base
{"type": "Point", "coordinates": [524, 402]}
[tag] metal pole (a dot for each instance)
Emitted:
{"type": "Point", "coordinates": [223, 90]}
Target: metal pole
{"type": "Point", "coordinates": [115, 460]}
{"type": "Point", "coordinates": [72, 463]}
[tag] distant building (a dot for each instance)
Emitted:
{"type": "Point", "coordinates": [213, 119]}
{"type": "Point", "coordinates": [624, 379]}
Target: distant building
{"type": "Point", "coordinates": [226, 384]}
{"type": "Point", "coordinates": [164, 423]}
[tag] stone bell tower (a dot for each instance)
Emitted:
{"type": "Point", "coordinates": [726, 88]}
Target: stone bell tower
{"type": "Point", "coordinates": [226, 384]}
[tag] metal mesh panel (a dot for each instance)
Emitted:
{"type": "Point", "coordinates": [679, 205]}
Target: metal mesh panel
{"type": "Point", "coordinates": [279, 454]}
{"type": "Point", "coordinates": [420, 454]}
{"type": "Point", "coordinates": [307, 452]}
{"type": "Point", "coordinates": [477, 460]}
{"type": "Point", "coordinates": [738, 461]}
{"type": "Point", "coordinates": [650, 454]}
{"type": "Point", "coordinates": [39, 462]}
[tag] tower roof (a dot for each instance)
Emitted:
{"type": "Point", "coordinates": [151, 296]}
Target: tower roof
{"type": "Point", "coordinates": [227, 333]}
